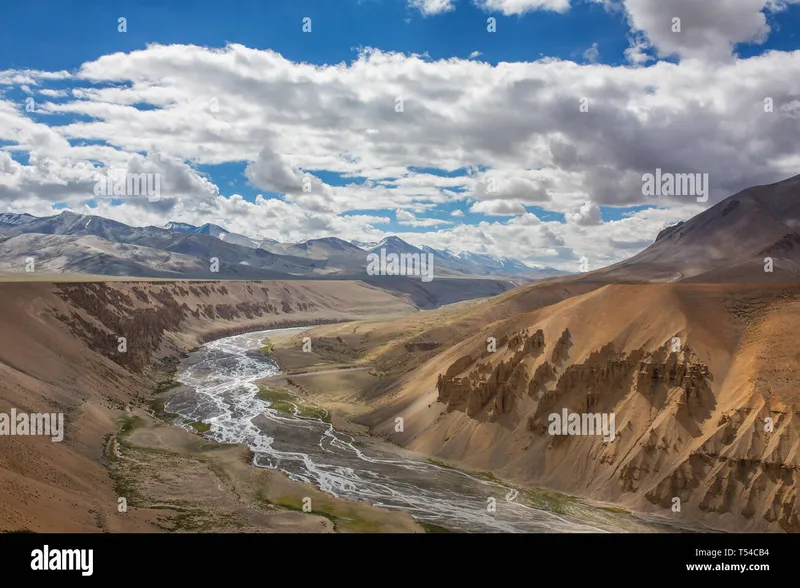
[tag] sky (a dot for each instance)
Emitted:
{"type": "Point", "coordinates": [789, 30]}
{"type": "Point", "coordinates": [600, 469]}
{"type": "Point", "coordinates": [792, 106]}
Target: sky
{"type": "Point", "coordinates": [519, 128]}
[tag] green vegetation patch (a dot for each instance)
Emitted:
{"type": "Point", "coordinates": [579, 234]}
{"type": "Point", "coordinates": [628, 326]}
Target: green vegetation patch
{"type": "Point", "coordinates": [167, 385]}
{"type": "Point", "coordinates": [491, 477]}
{"type": "Point", "coordinates": [200, 426]}
{"type": "Point", "coordinates": [262, 501]}
{"type": "Point", "coordinates": [340, 522]}
{"type": "Point", "coordinates": [281, 399]}
{"type": "Point", "coordinates": [157, 406]}
{"type": "Point", "coordinates": [431, 528]}
{"type": "Point", "coordinates": [441, 464]}
{"type": "Point", "coordinates": [274, 393]}
{"type": "Point", "coordinates": [296, 504]}
{"type": "Point", "coordinates": [548, 500]}
{"type": "Point", "coordinates": [614, 509]}
{"type": "Point", "coordinates": [128, 423]}
{"type": "Point", "coordinates": [268, 347]}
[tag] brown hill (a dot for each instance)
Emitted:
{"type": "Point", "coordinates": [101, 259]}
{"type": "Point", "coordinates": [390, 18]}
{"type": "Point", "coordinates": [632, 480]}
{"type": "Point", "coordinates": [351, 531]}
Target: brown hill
{"type": "Point", "coordinates": [59, 352]}
{"type": "Point", "coordinates": [691, 373]}
{"type": "Point", "coordinates": [691, 345]}
{"type": "Point", "coordinates": [727, 242]}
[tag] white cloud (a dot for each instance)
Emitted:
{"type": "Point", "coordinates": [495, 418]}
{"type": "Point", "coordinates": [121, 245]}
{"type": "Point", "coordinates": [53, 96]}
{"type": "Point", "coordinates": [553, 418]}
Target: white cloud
{"type": "Point", "coordinates": [30, 77]}
{"type": "Point", "coordinates": [592, 54]}
{"type": "Point", "coordinates": [708, 30]}
{"type": "Point", "coordinates": [431, 7]}
{"type": "Point", "coordinates": [53, 93]}
{"type": "Point", "coordinates": [498, 207]}
{"type": "Point", "coordinates": [520, 125]}
{"type": "Point", "coordinates": [475, 54]}
{"type": "Point", "coordinates": [406, 218]}
{"type": "Point", "coordinates": [636, 53]}
{"type": "Point", "coordinates": [587, 214]}
{"type": "Point", "coordinates": [509, 7]}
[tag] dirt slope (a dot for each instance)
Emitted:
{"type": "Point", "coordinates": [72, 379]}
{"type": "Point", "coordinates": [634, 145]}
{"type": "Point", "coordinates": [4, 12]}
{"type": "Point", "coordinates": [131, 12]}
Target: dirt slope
{"type": "Point", "coordinates": [59, 352]}
{"type": "Point", "coordinates": [690, 371]}
{"type": "Point", "coordinates": [728, 242]}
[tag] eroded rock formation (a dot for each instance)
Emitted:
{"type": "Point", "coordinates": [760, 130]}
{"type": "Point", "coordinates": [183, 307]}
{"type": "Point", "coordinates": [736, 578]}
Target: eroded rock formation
{"type": "Point", "coordinates": [495, 385]}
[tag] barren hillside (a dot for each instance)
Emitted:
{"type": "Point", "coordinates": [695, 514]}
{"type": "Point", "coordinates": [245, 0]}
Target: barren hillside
{"type": "Point", "coordinates": [692, 373]}
{"type": "Point", "coordinates": [60, 352]}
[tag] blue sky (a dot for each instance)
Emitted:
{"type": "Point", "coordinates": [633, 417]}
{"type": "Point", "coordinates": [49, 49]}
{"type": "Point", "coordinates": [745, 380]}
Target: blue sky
{"type": "Point", "coordinates": [62, 35]}
{"type": "Point", "coordinates": [570, 182]}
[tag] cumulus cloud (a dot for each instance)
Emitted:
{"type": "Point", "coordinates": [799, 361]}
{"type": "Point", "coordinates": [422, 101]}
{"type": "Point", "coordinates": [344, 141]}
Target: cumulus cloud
{"type": "Point", "coordinates": [636, 53]}
{"type": "Point", "coordinates": [587, 214]}
{"type": "Point", "coordinates": [271, 172]}
{"type": "Point", "coordinates": [405, 217]}
{"type": "Point", "coordinates": [429, 7]}
{"type": "Point", "coordinates": [509, 7]}
{"type": "Point", "coordinates": [520, 133]}
{"type": "Point", "coordinates": [703, 30]}
{"type": "Point", "coordinates": [498, 207]}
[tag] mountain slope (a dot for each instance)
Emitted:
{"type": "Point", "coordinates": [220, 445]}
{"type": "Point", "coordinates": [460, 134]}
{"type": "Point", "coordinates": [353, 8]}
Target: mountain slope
{"type": "Point", "coordinates": [240, 256]}
{"type": "Point", "coordinates": [235, 261]}
{"type": "Point", "coordinates": [730, 239]}
{"type": "Point", "coordinates": [690, 371]}
{"type": "Point", "coordinates": [702, 378]}
{"type": "Point", "coordinates": [58, 353]}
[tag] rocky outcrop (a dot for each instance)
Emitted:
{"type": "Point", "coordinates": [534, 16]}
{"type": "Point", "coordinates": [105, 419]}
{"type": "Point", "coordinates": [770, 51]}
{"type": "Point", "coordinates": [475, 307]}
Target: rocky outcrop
{"type": "Point", "coordinates": [748, 468]}
{"type": "Point", "coordinates": [561, 348]}
{"type": "Point", "coordinates": [679, 370]}
{"type": "Point", "coordinates": [490, 386]}
{"type": "Point", "coordinates": [543, 374]}
{"type": "Point", "coordinates": [128, 322]}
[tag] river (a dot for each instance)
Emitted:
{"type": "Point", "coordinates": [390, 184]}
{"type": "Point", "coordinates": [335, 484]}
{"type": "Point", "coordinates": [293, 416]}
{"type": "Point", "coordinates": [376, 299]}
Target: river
{"type": "Point", "coordinates": [219, 389]}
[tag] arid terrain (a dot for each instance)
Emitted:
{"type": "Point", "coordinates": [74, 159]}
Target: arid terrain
{"type": "Point", "coordinates": [60, 353]}
{"type": "Point", "coordinates": [692, 373]}
{"type": "Point", "coordinates": [699, 371]}
{"type": "Point", "coordinates": [699, 367]}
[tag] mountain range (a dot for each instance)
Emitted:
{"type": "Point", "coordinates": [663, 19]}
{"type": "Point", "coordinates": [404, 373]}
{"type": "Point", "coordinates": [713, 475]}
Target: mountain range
{"type": "Point", "coordinates": [88, 244]}
{"type": "Point", "coordinates": [753, 235]}
{"type": "Point", "coordinates": [691, 345]}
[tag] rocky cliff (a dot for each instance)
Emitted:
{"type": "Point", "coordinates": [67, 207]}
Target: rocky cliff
{"type": "Point", "coordinates": [701, 381]}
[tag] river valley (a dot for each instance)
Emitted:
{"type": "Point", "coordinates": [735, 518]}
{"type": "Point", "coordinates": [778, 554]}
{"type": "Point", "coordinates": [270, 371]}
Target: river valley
{"type": "Point", "coordinates": [219, 388]}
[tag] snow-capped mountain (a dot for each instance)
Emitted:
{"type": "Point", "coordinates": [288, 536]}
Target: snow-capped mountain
{"type": "Point", "coordinates": [365, 245]}
{"type": "Point", "coordinates": [9, 218]}
{"type": "Point", "coordinates": [180, 227]}
{"type": "Point", "coordinates": [329, 256]}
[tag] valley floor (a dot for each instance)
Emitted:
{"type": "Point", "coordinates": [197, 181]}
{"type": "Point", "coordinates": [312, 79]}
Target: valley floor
{"type": "Point", "coordinates": [691, 422]}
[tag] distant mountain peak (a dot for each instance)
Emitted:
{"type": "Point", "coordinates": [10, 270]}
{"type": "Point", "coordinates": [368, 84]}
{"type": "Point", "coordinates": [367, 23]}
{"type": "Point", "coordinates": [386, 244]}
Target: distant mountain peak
{"type": "Point", "coordinates": [395, 243]}
{"type": "Point", "coordinates": [12, 218]}
{"type": "Point", "coordinates": [206, 229]}
{"type": "Point", "coordinates": [365, 245]}
{"type": "Point", "coordinates": [180, 227]}
{"type": "Point", "coordinates": [211, 229]}
{"type": "Point", "coordinates": [333, 243]}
